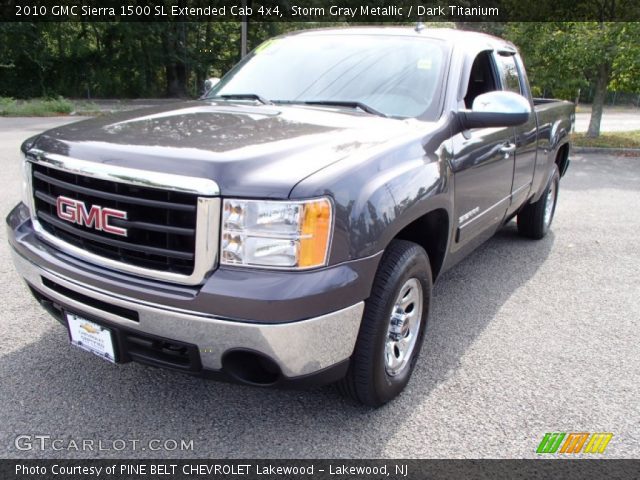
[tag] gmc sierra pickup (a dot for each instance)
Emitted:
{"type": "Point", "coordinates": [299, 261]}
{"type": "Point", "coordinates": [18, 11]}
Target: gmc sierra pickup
{"type": "Point", "coordinates": [287, 228]}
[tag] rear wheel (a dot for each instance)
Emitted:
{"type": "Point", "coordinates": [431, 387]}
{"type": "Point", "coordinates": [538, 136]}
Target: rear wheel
{"type": "Point", "coordinates": [393, 326]}
{"type": "Point", "coordinates": [534, 220]}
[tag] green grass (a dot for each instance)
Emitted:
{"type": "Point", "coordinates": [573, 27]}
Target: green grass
{"type": "Point", "coordinates": [45, 107]}
{"type": "Point", "coordinates": [629, 139]}
{"type": "Point", "coordinates": [87, 108]}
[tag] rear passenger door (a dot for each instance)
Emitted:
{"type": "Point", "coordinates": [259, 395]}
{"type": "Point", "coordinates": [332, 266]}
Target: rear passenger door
{"type": "Point", "coordinates": [512, 79]}
{"type": "Point", "coordinates": [482, 165]}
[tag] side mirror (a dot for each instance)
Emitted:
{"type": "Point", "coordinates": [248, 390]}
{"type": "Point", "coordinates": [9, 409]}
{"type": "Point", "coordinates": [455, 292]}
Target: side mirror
{"type": "Point", "coordinates": [496, 109]}
{"type": "Point", "coordinates": [209, 83]}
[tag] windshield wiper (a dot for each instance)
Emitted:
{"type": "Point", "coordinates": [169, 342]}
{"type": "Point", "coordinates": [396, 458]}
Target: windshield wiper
{"type": "Point", "coordinates": [345, 103]}
{"type": "Point", "coordinates": [242, 96]}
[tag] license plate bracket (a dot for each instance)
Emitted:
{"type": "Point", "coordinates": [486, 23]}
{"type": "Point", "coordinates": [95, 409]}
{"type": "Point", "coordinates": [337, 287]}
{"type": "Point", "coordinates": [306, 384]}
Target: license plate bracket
{"type": "Point", "coordinates": [91, 337]}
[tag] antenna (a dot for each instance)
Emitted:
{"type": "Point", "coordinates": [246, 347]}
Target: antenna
{"type": "Point", "coordinates": [420, 25]}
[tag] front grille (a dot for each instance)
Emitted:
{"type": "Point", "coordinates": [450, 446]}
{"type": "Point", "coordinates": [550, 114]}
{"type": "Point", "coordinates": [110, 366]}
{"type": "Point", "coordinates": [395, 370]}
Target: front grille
{"type": "Point", "coordinates": [160, 224]}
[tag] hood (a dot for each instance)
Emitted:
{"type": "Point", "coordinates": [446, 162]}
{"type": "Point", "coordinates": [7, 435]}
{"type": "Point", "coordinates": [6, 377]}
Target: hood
{"type": "Point", "coordinates": [249, 150]}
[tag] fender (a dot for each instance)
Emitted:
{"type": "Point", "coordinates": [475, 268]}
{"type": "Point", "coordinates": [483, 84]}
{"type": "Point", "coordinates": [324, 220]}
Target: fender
{"type": "Point", "coordinates": [378, 193]}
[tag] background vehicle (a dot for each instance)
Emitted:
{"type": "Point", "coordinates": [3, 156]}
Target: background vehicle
{"type": "Point", "coordinates": [287, 228]}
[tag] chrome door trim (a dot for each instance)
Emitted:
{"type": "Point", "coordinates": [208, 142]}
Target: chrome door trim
{"type": "Point", "coordinates": [485, 211]}
{"type": "Point", "coordinates": [509, 197]}
{"type": "Point", "coordinates": [519, 189]}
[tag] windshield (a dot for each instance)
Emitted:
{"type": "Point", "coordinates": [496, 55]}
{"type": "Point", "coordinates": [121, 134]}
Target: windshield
{"type": "Point", "coordinates": [396, 76]}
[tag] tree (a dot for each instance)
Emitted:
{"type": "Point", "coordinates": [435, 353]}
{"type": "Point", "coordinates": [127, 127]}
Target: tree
{"type": "Point", "coordinates": [603, 48]}
{"type": "Point", "coordinates": [138, 59]}
{"type": "Point", "coordinates": [564, 57]}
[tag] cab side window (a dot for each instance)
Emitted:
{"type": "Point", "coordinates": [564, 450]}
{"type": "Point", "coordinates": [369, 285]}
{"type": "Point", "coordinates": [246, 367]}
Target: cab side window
{"type": "Point", "coordinates": [482, 78]}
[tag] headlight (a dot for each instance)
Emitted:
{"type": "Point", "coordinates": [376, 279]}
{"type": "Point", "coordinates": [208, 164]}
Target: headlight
{"type": "Point", "coordinates": [282, 234]}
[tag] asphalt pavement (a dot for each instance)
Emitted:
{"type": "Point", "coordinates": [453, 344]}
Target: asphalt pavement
{"type": "Point", "coordinates": [525, 337]}
{"type": "Point", "coordinates": [613, 120]}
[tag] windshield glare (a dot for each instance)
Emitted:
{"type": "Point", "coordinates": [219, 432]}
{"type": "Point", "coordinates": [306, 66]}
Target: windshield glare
{"type": "Point", "coordinates": [398, 76]}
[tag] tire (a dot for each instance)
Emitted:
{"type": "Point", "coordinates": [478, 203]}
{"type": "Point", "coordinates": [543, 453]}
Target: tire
{"type": "Point", "coordinates": [377, 371]}
{"type": "Point", "coordinates": [534, 220]}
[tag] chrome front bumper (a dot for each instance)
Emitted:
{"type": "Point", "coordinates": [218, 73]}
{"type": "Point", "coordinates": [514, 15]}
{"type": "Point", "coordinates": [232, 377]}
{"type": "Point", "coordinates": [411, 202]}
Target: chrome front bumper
{"type": "Point", "coordinates": [299, 348]}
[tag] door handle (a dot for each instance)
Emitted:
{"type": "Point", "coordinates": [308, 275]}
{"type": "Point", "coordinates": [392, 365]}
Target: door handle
{"type": "Point", "coordinates": [508, 149]}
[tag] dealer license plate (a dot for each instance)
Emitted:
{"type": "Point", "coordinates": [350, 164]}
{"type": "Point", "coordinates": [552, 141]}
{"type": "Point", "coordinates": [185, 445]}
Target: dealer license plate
{"type": "Point", "coordinates": [91, 337]}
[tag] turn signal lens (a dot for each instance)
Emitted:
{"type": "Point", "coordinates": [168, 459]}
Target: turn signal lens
{"type": "Point", "coordinates": [314, 234]}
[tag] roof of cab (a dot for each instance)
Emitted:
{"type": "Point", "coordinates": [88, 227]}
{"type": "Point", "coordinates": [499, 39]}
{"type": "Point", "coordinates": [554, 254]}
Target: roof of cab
{"type": "Point", "coordinates": [446, 34]}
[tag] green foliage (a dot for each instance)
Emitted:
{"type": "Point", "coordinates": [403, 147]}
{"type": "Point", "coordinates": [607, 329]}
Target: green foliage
{"type": "Point", "coordinates": [35, 108]}
{"type": "Point", "coordinates": [93, 60]}
{"type": "Point", "coordinates": [626, 64]}
{"type": "Point", "coordinates": [127, 60]}
{"type": "Point", "coordinates": [563, 57]}
{"type": "Point", "coordinates": [138, 60]}
{"type": "Point", "coordinates": [6, 103]}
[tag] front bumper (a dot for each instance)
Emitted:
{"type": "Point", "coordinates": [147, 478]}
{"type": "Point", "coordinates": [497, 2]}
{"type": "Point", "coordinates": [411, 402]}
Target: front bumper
{"type": "Point", "coordinates": [299, 349]}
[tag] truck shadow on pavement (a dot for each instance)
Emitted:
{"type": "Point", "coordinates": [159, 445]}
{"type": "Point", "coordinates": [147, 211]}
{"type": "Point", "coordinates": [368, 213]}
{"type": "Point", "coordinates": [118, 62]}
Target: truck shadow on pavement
{"type": "Point", "coordinates": [51, 388]}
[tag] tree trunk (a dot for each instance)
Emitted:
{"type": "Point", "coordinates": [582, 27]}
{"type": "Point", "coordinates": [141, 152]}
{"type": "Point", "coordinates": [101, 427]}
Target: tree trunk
{"type": "Point", "coordinates": [602, 80]}
{"type": "Point", "coordinates": [175, 68]}
{"type": "Point", "coordinates": [202, 69]}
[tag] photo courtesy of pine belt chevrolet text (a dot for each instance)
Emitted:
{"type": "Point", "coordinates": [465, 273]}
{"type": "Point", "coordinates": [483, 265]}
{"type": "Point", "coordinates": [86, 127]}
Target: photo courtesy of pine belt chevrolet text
{"type": "Point", "coordinates": [286, 229]}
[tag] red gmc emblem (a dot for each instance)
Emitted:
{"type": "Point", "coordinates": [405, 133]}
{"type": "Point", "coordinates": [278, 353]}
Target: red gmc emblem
{"type": "Point", "coordinates": [75, 211]}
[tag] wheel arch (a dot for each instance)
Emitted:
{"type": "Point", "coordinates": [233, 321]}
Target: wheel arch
{"type": "Point", "coordinates": [431, 232]}
{"type": "Point", "coordinates": [562, 158]}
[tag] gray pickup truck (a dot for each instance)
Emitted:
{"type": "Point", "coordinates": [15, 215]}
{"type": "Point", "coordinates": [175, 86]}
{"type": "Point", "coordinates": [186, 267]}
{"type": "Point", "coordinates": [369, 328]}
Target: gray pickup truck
{"type": "Point", "coordinates": [286, 229]}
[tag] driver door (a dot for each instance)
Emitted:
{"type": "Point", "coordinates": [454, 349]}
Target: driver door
{"type": "Point", "coordinates": [483, 166]}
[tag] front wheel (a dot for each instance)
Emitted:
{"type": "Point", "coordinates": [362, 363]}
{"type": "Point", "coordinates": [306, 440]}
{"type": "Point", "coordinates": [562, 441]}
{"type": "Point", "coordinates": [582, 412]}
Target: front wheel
{"type": "Point", "coordinates": [534, 220]}
{"type": "Point", "coordinates": [393, 326]}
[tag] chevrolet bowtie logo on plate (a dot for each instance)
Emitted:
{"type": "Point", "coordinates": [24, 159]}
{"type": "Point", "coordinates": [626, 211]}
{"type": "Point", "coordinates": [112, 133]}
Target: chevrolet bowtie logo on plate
{"type": "Point", "coordinates": [89, 328]}
{"type": "Point", "coordinates": [97, 217]}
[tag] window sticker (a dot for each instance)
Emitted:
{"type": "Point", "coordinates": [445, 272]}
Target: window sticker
{"type": "Point", "coordinates": [424, 64]}
{"type": "Point", "coordinates": [264, 46]}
